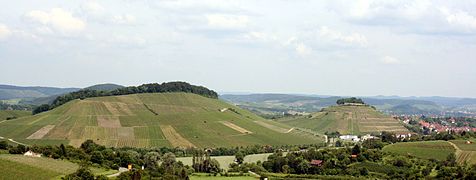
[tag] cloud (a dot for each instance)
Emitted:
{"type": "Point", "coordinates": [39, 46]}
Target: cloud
{"type": "Point", "coordinates": [92, 7]}
{"type": "Point", "coordinates": [303, 50]}
{"type": "Point", "coordinates": [459, 19]}
{"type": "Point", "coordinates": [124, 19]}
{"type": "Point", "coordinates": [225, 21]}
{"type": "Point", "coordinates": [58, 19]}
{"type": "Point", "coordinates": [353, 38]}
{"type": "Point", "coordinates": [390, 60]}
{"type": "Point", "coordinates": [5, 32]}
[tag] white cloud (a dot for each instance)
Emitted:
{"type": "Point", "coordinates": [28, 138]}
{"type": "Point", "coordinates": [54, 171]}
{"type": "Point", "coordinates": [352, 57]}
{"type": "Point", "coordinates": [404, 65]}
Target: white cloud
{"type": "Point", "coordinates": [459, 19]}
{"type": "Point", "coordinates": [5, 32]}
{"type": "Point", "coordinates": [58, 19]}
{"type": "Point", "coordinates": [92, 7]}
{"type": "Point", "coordinates": [354, 38]}
{"type": "Point", "coordinates": [227, 21]}
{"type": "Point", "coordinates": [390, 60]}
{"type": "Point", "coordinates": [124, 19]}
{"type": "Point", "coordinates": [303, 50]}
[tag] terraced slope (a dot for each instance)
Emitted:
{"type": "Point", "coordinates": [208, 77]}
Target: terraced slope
{"type": "Point", "coordinates": [151, 120]}
{"type": "Point", "coordinates": [347, 120]}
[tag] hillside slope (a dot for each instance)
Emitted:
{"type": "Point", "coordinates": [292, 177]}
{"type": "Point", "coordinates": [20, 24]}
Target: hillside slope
{"type": "Point", "coordinates": [151, 120]}
{"type": "Point", "coordinates": [347, 120]}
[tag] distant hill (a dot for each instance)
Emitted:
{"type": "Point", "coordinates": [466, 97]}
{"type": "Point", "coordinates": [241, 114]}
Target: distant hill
{"type": "Point", "coordinates": [345, 119]}
{"type": "Point", "coordinates": [104, 87]}
{"type": "Point", "coordinates": [152, 120]}
{"type": "Point", "coordinates": [279, 103]}
{"type": "Point", "coordinates": [19, 92]}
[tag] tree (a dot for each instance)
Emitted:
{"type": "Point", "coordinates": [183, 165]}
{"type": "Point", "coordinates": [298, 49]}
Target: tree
{"type": "Point", "coordinates": [41, 108]}
{"type": "Point", "coordinates": [151, 160]}
{"type": "Point", "coordinates": [3, 144]}
{"type": "Point", "coordinates": [356, 150]}
{"type": "Point", "coordinates": [83, 173]}
{"type": "Point", "coordinates": [239, 156]}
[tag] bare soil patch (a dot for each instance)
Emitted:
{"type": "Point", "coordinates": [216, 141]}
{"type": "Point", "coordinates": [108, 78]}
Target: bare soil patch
{"type": "Point", "coordinates": [125, 133]}
{"type": "Point", "coordinates": [41, 132]}
{"type": "Point", "coordinates": [108, 121]}
{"type": "Point", "coordinates": [175, 138]}
{"type": "Point", "coordinates": [236, 128]}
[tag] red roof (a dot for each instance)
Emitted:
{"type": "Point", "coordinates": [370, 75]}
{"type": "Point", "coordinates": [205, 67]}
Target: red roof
{"type": "Point", "coordinates": [316, 162]}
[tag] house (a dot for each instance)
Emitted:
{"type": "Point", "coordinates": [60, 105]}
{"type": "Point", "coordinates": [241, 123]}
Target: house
{"type": "Point", "coordinates": [350, 138]}
{"type": "Point", "coordinates": [367, 136]}
{"type": "Point", "coordinates": [317, 163]}
{"type": "Point", "coordinates": [32, 154]}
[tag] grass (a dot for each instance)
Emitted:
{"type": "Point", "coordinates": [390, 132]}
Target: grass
{"type": "Point", "coordinates": [225, 161]}
{"type": "Point", "coordinates": [23, 167]}
{"type": "Point", "coordinates": [347, 120]}
{"type": "Point", "coordinates": [466, 153]}
{"type": "Point", "coordinates": [438, 150]}
{"type": "Point", "coordinates": [4, 114]}
{"type": "Point", "coordinates": [132, 123]}
{"type": "Point", "coordinates": [204, 176]}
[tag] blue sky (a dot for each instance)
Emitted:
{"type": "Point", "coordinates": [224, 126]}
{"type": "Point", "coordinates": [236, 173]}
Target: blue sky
{"type": "Point", "coordinates": [407, 48]}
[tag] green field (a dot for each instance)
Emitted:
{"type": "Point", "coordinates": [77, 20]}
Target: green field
{"type": "Point", "coordinates": [4, 114]}
{"type": "Point", "coordinates": [225, 161]}
{"type": "Point", "coordinates": [465, 153]}
{"type": "Point", "coordinates": [151, 120]}
{"type": "Point", "coordinates": [23, 167]}
{"type": "Point", "coordinates": [347, 120]}
{"type": "Point", "coordinates": [199, 176]}
{"type": "Point", "coordinates": [438, 150]}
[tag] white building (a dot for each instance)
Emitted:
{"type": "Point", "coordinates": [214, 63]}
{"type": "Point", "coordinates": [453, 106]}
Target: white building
{"type": "Point", "coordinates": [350, 138]}
{"type": "Point", "coordinates": [32, 154]}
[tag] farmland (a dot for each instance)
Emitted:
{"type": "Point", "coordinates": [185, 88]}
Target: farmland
{"type": "Point", "coordinates": [23, 167]}
{"type": "Point", "coordinates": [438, 150]}
{"type": "Point", "coordinates": [151, 120]}
{"type": "Point", "coordinates": [347, 120]}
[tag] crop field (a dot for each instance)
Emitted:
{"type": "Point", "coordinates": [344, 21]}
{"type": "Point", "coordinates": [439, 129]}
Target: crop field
{"type": "Point", "coordinates": [151, 120]}
{"type": "Point", "coordinates": [347, 120]}
{"type": "Point", "coordinates": [438, 150]}
{"type": "Point", "coordinates": [23, 167]}
{"type": "Point", "coordinates": [465, 152]}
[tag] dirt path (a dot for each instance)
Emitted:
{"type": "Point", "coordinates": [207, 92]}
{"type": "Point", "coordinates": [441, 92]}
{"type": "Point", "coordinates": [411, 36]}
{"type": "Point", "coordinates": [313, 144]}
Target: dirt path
{"type": "Point", "coordinates": [236, 127]}
{"type": "Point", "coordinates": [13, 141]}
{"type": "Point", "coordinates": [289, 130]}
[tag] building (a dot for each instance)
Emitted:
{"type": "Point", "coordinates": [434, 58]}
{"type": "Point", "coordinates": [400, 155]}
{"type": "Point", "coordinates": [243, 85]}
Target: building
{"type": "Point", "coordinates": [350, 138]}
{"type": "Point", "coordinates": [32, 154]}
{"type": "Point", "coordinates": [317, 163]}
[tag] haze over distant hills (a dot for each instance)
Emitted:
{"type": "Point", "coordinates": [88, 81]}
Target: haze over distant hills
{"type": "Point", "coordinates": [278, 103]}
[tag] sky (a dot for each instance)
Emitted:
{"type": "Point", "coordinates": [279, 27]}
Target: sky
{"type": "Point", "coordinates": [361, 47]}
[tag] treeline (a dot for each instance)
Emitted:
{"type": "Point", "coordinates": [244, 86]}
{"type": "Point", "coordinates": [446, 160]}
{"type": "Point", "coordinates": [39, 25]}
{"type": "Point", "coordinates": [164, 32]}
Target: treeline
{"type": "Point", "coordinates": [350, 100]}
{"type": "Point", "coordinates": [5, 106]}
{"type": "Point", "coordinates": [145, 88]}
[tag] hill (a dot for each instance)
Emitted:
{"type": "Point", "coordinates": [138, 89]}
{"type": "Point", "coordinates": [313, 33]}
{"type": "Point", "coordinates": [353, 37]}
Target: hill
{"type": "Point", "coordinates": [23, 167]}
{"type": "Point", "coordinates": [12, 114]}
{"type": "Point", "coordinates": [347, 120]}
{"type": "Point", "coordinates": [18, 92]}
{"type": "Point", "coordinates": [279, 103]}
{"type": "Point", "coordinates": [104, 87]}
{"type": "Point", "coordinates": [151, 120]}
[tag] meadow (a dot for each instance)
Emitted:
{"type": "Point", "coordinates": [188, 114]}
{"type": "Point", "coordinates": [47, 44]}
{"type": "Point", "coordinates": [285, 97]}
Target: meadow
{"type": "Point", "coordinates": [4, 114]}
{"type": "Point", "coordinates": [23, 167]}
{"type": "Point", "coordinates": [438, 150]}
